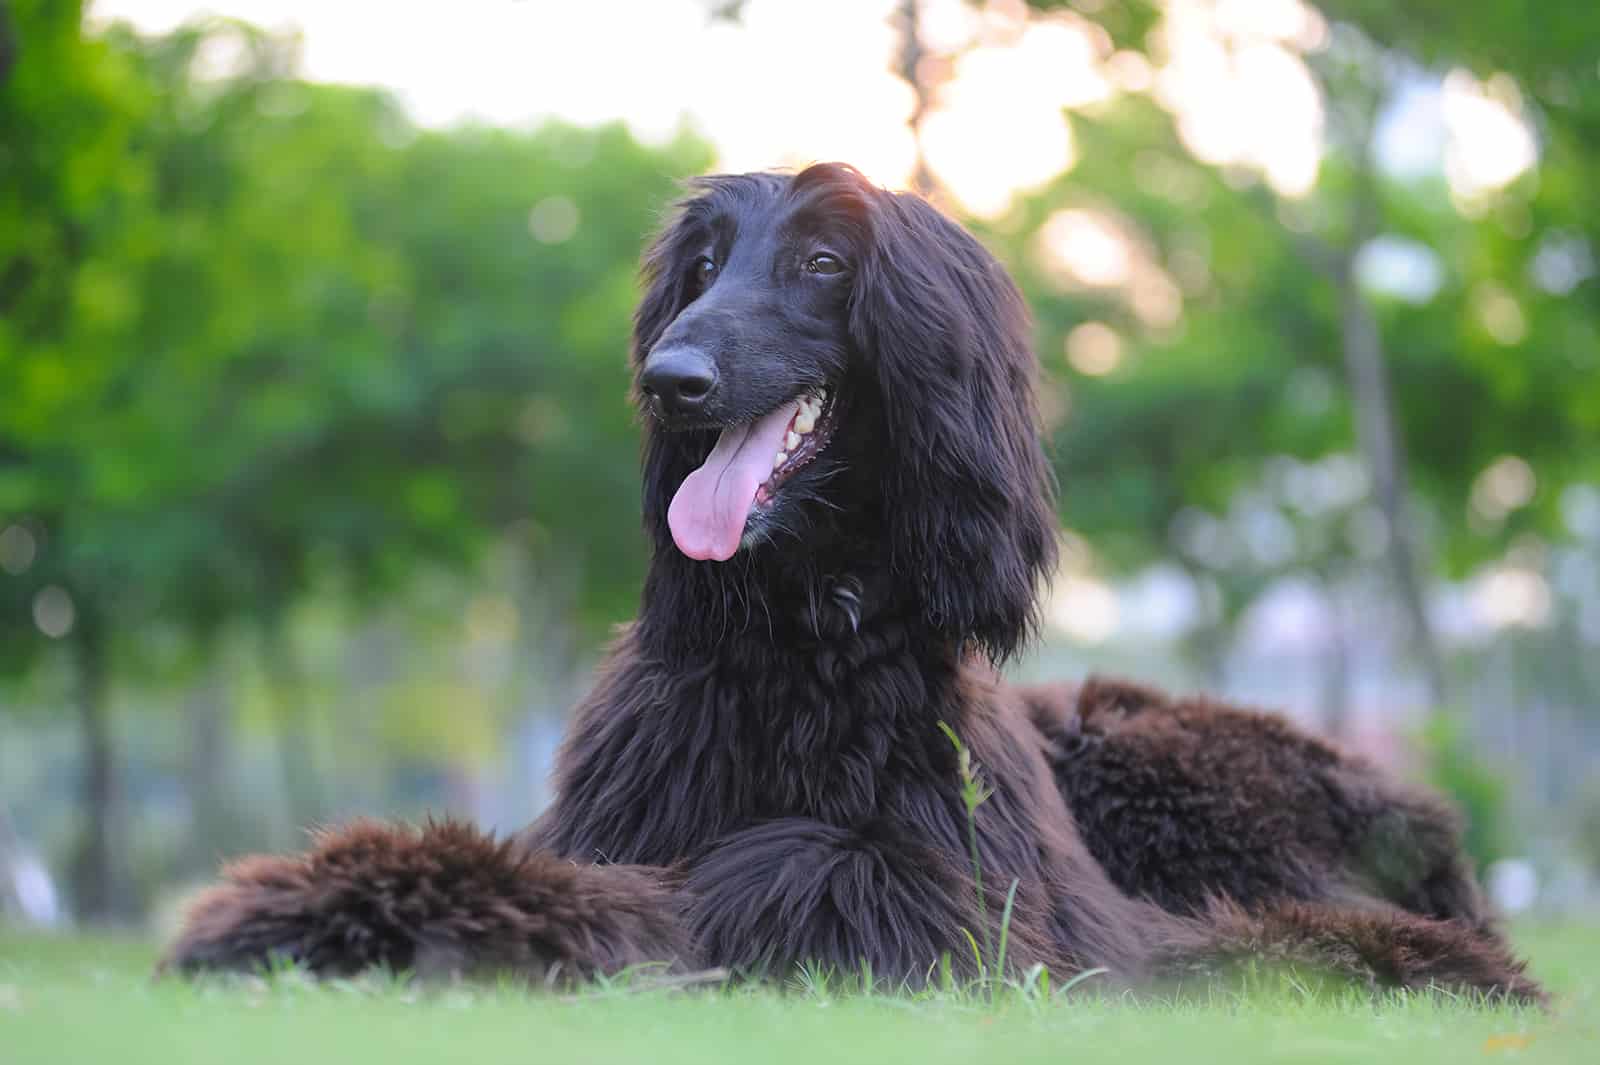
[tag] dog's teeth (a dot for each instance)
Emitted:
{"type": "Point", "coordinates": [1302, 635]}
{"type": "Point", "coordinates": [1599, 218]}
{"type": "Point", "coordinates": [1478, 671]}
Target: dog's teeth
{"type": "Point", "coordinates": [805, 421]}
{"type": "Point", "coordinates": [791, 441]}
{"type": "Point", "coordinates": [779, 459]}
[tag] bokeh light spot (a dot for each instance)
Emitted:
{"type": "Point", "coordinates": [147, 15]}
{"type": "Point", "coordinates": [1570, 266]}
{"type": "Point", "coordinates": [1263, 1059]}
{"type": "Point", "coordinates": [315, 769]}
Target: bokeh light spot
{"type": "Point", "coordinates": [553, 220]}
{"type": "Point", "coordinates": [53, 611]}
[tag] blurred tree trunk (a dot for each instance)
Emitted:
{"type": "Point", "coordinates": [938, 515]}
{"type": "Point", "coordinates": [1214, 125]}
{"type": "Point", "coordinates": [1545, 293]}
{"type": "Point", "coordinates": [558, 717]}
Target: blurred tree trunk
{"type": "Point", "coordinates": [1356, 89]}
{"type": "Point", "coordinates": [1335, 693]}
{"type": "Point", "coordinates": [99, 888]}
{"type": "Point", "coordinates": [1383, 447]}
{"type": "Point", "coordinates": [548, 674]}
{"type": "Point", "coordinates": [303, 799]}
{"type": "Point", "coordinates": [1574, 754]}
{"type": "Point", "coordinates": [1209, 642]}
{"type": "Point", "coordinates": [207, 713]}
{"type": "Point", "coordinates": [909, 16]}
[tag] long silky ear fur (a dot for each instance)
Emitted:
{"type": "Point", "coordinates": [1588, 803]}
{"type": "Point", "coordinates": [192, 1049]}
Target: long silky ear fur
{"type": "Point", "coordinates": [663, 274]}
{"type": "Point", "coordinates": [968, 492]}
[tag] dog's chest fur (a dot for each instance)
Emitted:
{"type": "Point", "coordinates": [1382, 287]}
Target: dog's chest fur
{"type": "Point", "coordinates": [837, 725]}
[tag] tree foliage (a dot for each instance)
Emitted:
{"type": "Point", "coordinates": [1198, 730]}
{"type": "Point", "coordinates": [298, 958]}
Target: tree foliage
{"type": "Point", "coordinates": [1203, 411]}
{"type": "Point", "coordinates": [262, 337]}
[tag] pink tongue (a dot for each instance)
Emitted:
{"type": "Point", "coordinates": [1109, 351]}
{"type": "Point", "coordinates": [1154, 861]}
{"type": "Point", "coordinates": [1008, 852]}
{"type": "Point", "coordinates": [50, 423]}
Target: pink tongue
{"type": "Point", "coordinates": [707, 515]}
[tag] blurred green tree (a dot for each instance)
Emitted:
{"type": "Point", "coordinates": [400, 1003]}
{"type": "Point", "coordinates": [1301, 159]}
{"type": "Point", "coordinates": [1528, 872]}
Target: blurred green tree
{"type": "Point", "coordinates": [262, 335]}
{"type": "Point", "coordinates": [69, 112]}
{"type": "Point", "coordinates": [1257, 340]}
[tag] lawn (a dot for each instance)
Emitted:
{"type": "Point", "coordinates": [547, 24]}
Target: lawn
{"type": "Point", "coordinates": [92, 1001]}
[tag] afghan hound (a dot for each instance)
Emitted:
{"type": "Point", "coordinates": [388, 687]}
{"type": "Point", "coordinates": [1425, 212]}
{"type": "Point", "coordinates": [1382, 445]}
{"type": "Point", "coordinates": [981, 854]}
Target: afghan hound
{"type": "Point", "coordinates": [850, 514]}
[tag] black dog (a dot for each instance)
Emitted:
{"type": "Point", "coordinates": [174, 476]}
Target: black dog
{"type": "Point", "coordinates": [851, 515]}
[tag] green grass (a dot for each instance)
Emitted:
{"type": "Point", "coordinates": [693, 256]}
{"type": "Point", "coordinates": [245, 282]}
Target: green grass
{"type": "Point", "coordinates": [92, 1000]}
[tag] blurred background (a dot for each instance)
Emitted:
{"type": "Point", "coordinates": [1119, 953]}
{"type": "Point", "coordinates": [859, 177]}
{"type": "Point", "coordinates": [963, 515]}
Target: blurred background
{"type": "Point", "coordinates": [317, 477]}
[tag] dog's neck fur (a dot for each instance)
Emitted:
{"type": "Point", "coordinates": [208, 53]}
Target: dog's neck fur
{"type": "Point", "coordinates": [782, 599]}
{"type": "Point", "coordinates": [766, 691]}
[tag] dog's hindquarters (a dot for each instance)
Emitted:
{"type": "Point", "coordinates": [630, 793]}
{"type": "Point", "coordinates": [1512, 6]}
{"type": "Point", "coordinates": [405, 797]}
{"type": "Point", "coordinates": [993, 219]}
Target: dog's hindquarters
{"type": "Point", "coordinates": [1186, 800]}
{"type": "Point", "coordinates": [1269, 845]}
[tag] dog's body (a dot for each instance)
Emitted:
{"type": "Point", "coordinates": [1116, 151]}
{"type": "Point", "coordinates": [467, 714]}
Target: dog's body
{"type": "Point", "coordinates": [759, 778]}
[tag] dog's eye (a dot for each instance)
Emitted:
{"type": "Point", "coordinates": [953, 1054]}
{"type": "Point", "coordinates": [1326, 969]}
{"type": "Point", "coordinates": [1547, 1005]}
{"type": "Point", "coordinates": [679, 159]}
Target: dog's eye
{"type": "Point", "coordinates": [704, 270]}
{"type": "Point", "coordinates": [824, 264]}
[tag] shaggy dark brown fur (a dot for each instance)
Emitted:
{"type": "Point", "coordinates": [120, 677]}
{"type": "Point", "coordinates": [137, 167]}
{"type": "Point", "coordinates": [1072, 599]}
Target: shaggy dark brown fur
{"type": "Point", "coordinates": [1371, 948]}
{"type": "Point", "coordinates": [1182, 800]}
{"type": "Point", "coordinates": [759, 777]}
{"type": "Point", "coordinates": [440, 900]}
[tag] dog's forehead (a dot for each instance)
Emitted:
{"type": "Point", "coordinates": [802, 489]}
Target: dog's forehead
{"type": "Point", "coordinates": [761, 207]}
{"type": "Point", "coordinates": [830, 196]}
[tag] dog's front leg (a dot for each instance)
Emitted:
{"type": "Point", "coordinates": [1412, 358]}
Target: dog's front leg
{"type": "Point", "coordinates": [443, 900]}
{"type": "Point", "coordinates": [793, 891]}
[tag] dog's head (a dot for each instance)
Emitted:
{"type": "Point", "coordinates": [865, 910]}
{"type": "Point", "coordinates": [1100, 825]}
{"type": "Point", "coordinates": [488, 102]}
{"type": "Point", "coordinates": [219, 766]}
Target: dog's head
{"type": "Point", "coordinates": [825, 365]}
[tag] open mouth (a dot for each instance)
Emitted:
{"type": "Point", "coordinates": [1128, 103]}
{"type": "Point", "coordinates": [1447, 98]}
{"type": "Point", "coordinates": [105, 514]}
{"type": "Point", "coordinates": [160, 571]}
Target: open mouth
{"type": "Point", "coordinates": [748, 465]}
{"type": "Point", "coordinates": [807, 434]}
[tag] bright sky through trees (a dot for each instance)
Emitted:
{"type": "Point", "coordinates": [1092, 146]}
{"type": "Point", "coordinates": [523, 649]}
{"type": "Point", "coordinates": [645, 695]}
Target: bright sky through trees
{"type": "Point", "coordinates": [790, 83]}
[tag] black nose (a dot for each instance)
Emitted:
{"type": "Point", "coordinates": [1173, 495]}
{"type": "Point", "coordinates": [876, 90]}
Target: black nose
{"type": "Point", "coordinates": [680, 378]}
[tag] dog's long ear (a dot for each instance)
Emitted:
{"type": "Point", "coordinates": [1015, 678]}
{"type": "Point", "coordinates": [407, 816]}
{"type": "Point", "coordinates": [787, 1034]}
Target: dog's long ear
{"type": "Point", "coordinates": [968, 493]}
{"type": "Point", "coordinates": [664, 275]}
